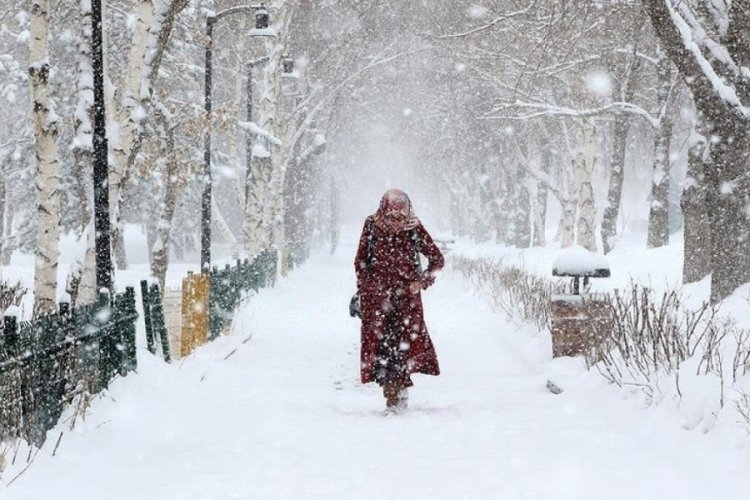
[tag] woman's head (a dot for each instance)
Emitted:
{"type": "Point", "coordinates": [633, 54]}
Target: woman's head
{"type": "Point", "coordinates": [396, 211]}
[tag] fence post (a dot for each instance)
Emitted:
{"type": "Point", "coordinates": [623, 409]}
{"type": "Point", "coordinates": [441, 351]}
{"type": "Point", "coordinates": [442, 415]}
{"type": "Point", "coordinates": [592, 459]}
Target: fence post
{"type": "Point", "coordinates": [247, 278]}
{"type": "Point", "coordinates": [10, 339]}
{"type": "Point", "coordinates": [214, 304]}
{"type": "Point", "coordinates": [159, 327]}
{"type": "Point", "coordinates": [146, 301]}
{"type": "Point", "coordinates": [102, 316]}
{"type": "Point", "coordinates": [10, 403]}
{"type": "Point", "coordinates": [130, 316]}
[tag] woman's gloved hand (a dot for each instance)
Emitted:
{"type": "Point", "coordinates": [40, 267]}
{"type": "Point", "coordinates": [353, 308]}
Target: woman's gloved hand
{"type": "Point", "coordinates": [427, 280]}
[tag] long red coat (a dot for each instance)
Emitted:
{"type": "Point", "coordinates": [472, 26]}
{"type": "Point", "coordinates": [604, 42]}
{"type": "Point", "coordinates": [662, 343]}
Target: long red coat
{"type": "Point", "coordinates": [384, 294]}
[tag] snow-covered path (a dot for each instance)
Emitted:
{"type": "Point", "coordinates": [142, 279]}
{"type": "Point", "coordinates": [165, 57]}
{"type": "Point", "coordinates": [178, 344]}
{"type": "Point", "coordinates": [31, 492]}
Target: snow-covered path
{"type": "Point", "coordinates": [276, 411]}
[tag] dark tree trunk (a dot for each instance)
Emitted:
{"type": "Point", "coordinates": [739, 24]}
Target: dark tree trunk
{"type": "Point", "coordinates": [541, 201]}
{"type": "Point", "coordinates": [521, 219]}
{"type": "Point", "coordinates": [697, 262]}
{"type": "Point", "coordinates": [619, 149]}
{"type": "Point", "coordinates": [658, 217]}
{"type": "Point", "coordinates": [728, 188]}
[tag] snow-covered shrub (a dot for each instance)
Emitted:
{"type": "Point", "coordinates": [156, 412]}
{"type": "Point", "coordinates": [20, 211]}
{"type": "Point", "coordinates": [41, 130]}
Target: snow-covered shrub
{"type": "Point", "coordinates": [520, 294]}
{"type": "Point", "coordinates": [657, 345]}
{"type": "Point", "coordinates": [10, 295]}
{"type": "Point", "coordinates": [653, 336]}
{"type": "Point", "coordinates": [743, 408]}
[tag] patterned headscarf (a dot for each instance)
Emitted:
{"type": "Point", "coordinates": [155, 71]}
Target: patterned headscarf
{"type": "Point", "coordinates": [396, 201]}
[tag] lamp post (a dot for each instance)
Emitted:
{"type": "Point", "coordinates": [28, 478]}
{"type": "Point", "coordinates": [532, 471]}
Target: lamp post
{"type": "Point", "coordinates": [261, 29]}
{"type": "Point", "coordinates": [102, 243]}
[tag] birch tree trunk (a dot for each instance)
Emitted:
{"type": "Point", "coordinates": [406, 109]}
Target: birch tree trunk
{"type": "Point", "coordinates": [538, 192]}
{"type": "Point", "coordinates": [83, 157]}
{"type": "Point", "coordinates": [567, 195]}
{"type": "Point", "coordinates": [150, 38]}
{"type": "Point", "coordinates": [658, 218]}
{"type": "Point", "coordinates": [87, 293]}
{"type": "Point", "coordinates": [585, 161]}
{"type": "Point", "coordinates": [160, 250]}
{"type": "Point", "coordinates": [255, 231]}
{"type": "Point", "coordinates": [128, 120]}
{"type": "Point", "coordinates": [263, 224]}
{"type": "Point", "coordinates": [240, 93]}
{"type": "Point", "coordinates": [521, 219]}
{"type": "Point", "coordinates": [45, 131]}
{"type": "Point", "coordinates": [83, 149]}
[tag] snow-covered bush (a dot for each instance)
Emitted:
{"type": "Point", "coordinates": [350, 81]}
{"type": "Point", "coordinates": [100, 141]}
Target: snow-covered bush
{"type": "Point", "coordinates": [657, 345]}
{"type": "Point", "coordinates": [10, 295]}
{"type": "Point", "coordinates": [521, 295]}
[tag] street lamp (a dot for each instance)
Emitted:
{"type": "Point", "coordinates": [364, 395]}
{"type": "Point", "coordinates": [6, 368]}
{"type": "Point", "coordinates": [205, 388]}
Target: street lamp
{"type": "Point", "coordinates": [261, 30]}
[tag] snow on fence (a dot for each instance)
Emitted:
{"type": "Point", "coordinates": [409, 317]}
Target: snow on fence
{"type": "Point", "coordinates": [48, 362]}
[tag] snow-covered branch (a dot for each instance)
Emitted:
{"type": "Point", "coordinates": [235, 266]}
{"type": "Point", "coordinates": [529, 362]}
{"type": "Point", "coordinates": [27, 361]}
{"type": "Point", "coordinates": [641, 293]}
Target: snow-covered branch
{"type": "Point", "coordinates": [257, 131]}
{"type": "Point", "coordinates": [537, 110]}
{"type": "Point", "coordinates": [690, 40]}
{"type": "Point", "coordinates": [491, 24]}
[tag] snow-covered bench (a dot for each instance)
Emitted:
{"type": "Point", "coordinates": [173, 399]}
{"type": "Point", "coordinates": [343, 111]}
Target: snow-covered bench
{"type": "Point", "coordinates": [579, 323]}
{"type": "Point", "coordinates": [577, 262]}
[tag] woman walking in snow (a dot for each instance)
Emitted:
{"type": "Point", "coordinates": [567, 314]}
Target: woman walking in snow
{"type": "Point", "coordinates": [395, 342]}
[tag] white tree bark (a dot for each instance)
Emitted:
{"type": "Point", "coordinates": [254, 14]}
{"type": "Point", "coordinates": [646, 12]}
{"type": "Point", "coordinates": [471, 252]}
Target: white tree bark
{"type": "Point", "coordinates": [263, 223]}
{"type": "Point", "coordinates": [82, 146]}
{"type": "Point", "coordinates": [45, 132]}
{"type": "Point", "coordinates": [83, 154]}
{"type": "Point", "coordinates": [255, 230]}
{"type": "Point", "coordinates": [585, 161]}
{"type": "Point", "coordinates": [221, 225]}
{"type": "Point", "coordinates": [87, 286]}
{"type": "Point", "coordinates": [128, 118]}
{"type": "Point", "coordinates": [240, 94]}
{"type": "Point", "coordinates": [537, 220]}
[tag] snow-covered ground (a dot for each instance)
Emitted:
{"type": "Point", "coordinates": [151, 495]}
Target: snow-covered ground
{"type": "Point", "coordinates": [275, 410]}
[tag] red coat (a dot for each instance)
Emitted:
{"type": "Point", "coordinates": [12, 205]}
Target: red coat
{"type": "Point", "coordinates": [384, 292]}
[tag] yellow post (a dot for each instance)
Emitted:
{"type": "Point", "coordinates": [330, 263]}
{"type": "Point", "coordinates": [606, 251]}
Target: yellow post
{"type": "Point", "coordinates": [195, 290]}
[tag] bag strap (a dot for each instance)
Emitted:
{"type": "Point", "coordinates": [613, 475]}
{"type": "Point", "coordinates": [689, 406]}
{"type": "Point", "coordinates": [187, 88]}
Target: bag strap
{"type": "Point", "coordinates": [417, 249]}
{"type": "Point", "coordinates": [370, 243]}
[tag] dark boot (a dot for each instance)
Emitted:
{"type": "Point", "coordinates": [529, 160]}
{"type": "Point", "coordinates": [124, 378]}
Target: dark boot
{"type": "Point", "coordinates": [391, 393]}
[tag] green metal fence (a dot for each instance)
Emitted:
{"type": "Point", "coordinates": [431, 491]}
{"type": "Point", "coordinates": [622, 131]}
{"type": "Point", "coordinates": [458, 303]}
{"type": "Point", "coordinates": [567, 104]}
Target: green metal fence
{"type": "Point", "coordinates": [45, 363]}
{"type": "Point", "coordinates": [153, 317]}
{"type": "Point", "coordinates": [228, 285]}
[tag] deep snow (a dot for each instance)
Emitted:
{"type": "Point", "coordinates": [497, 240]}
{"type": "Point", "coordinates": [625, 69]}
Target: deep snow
{"type": "Point", "coordinates": [275, 410]}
